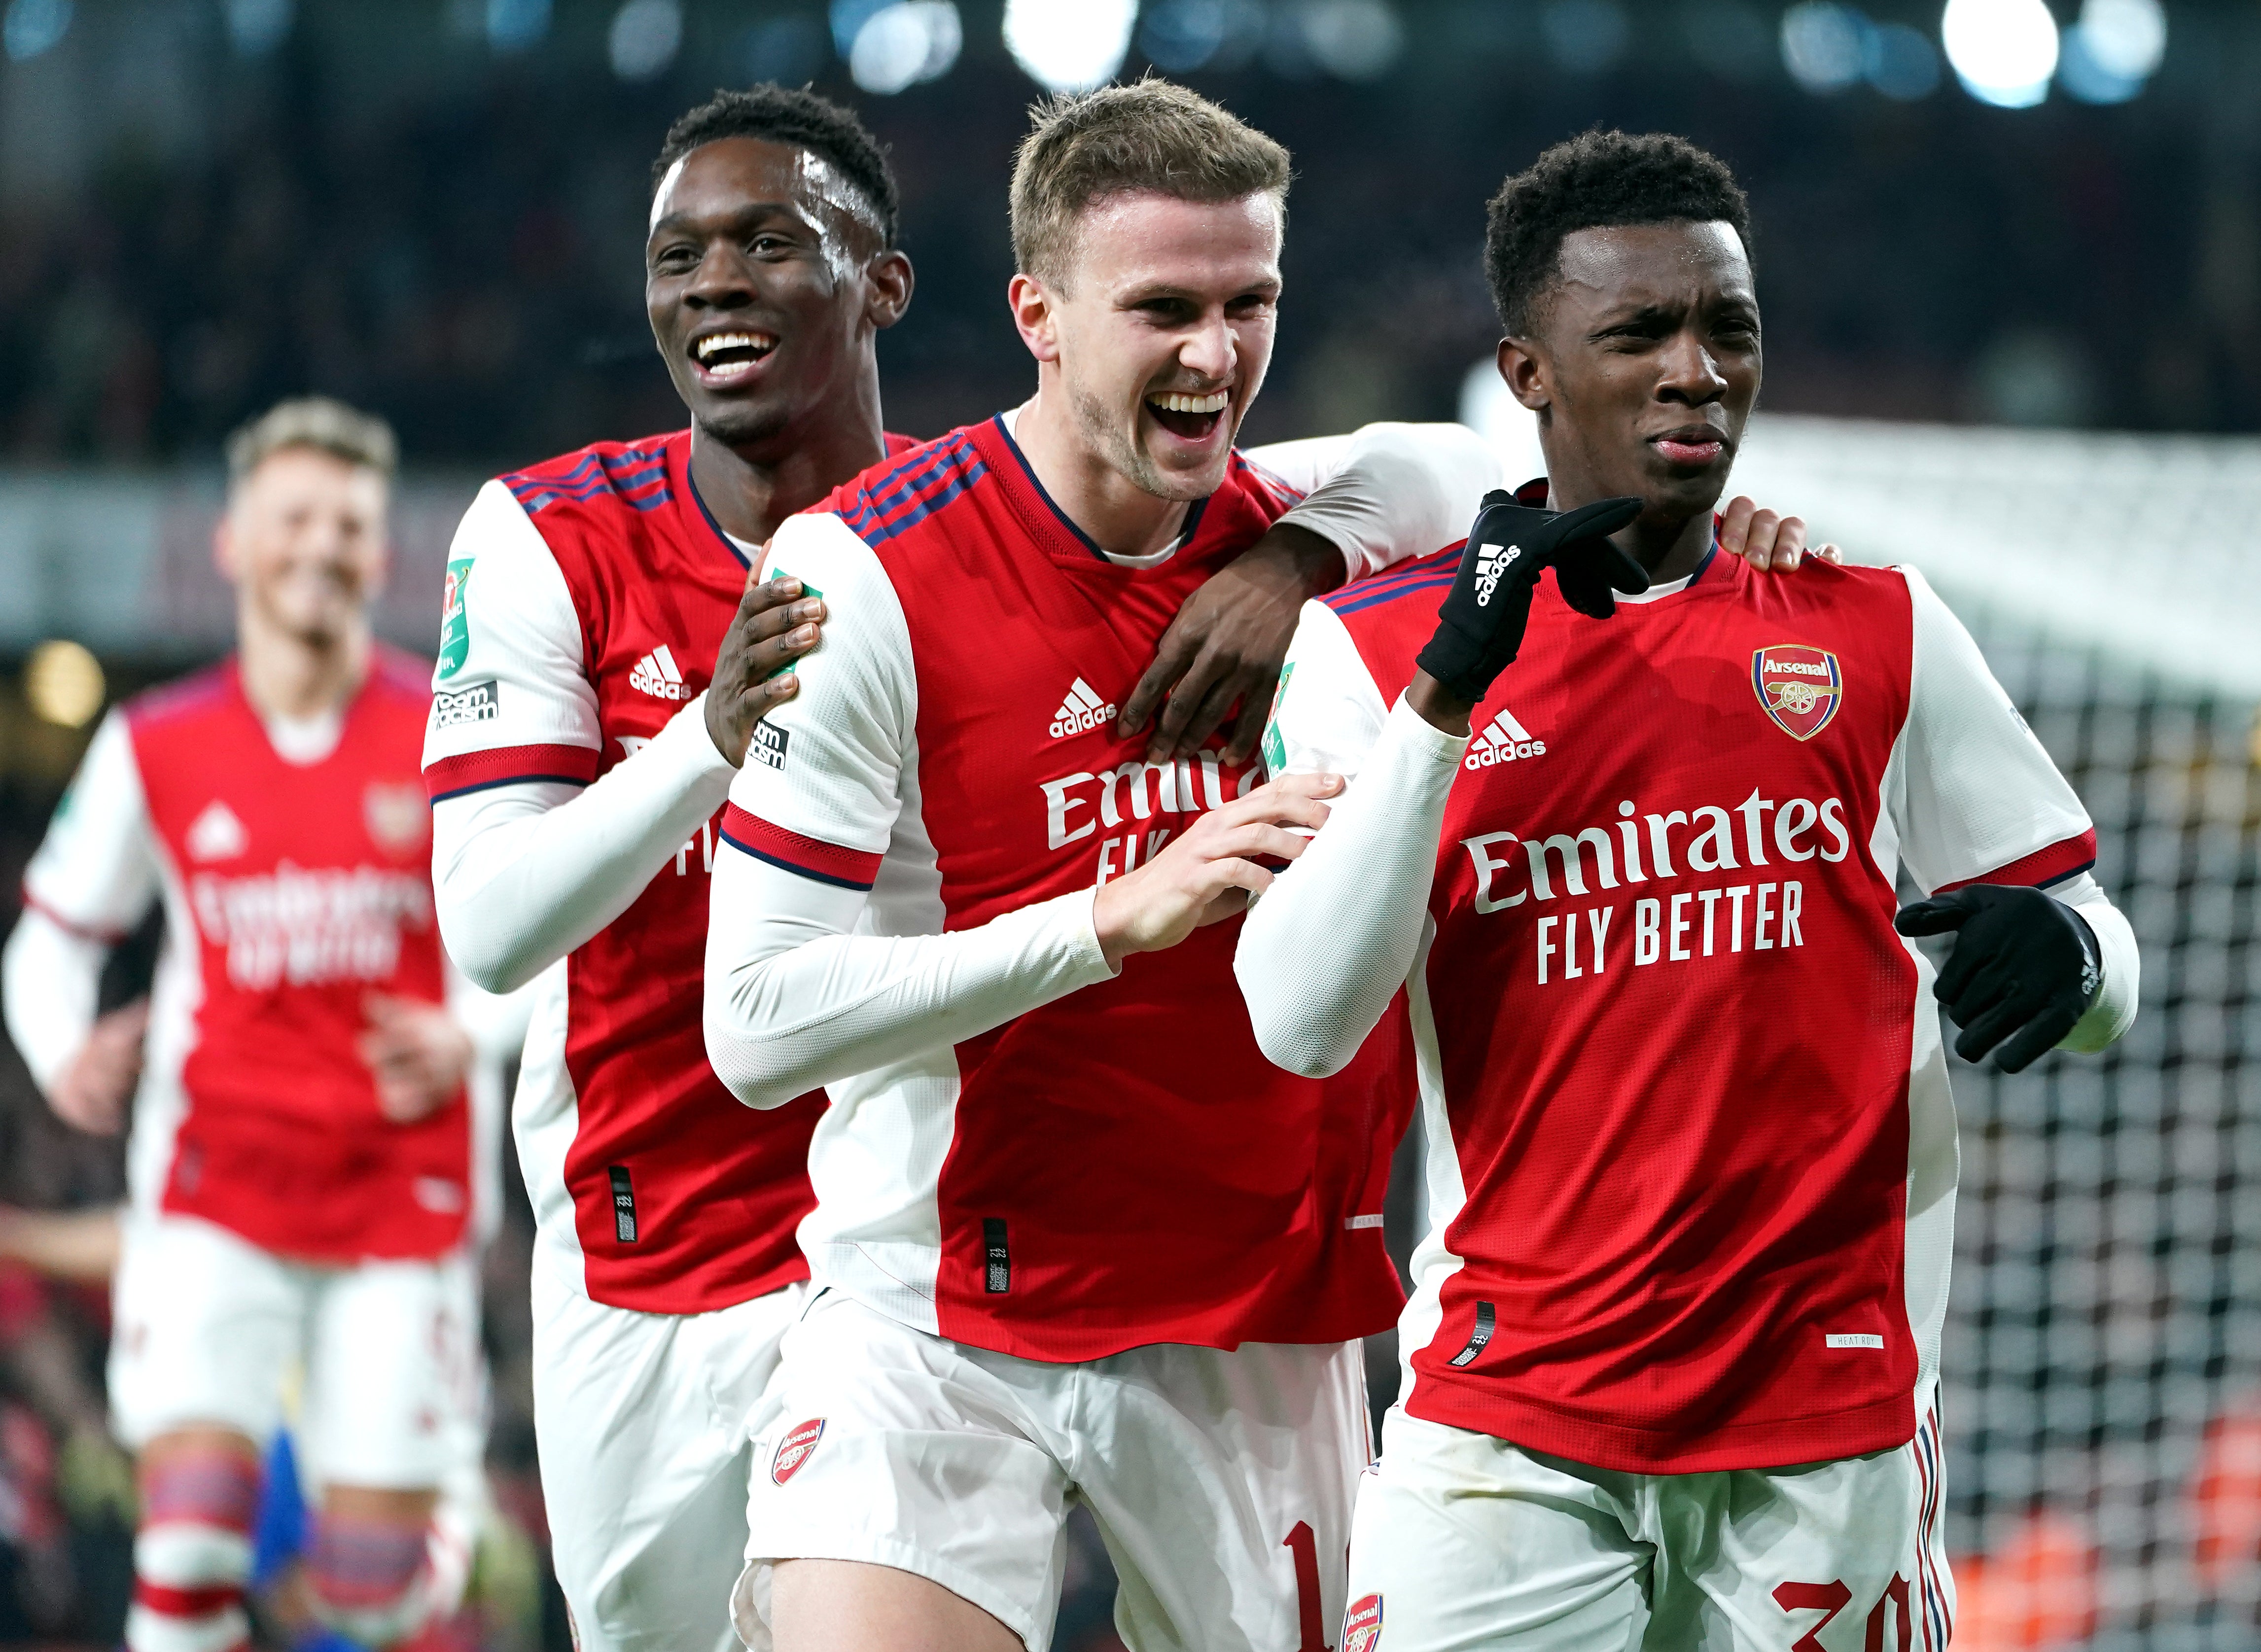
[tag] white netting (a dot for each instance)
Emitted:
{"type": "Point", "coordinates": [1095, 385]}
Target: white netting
{"type": "Point", "coordinates": [2103, 1352]}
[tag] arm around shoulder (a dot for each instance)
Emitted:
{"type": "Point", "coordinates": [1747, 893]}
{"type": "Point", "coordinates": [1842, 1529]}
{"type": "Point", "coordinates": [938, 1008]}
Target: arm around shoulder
{"type": "Point", "coordinates": [1387, 491]}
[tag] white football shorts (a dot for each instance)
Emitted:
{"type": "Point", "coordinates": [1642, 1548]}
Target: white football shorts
{"type": "Point", "coordinates": [209, 1329]}
{"type": "Point", "coordinates": [642, 1421]}
{"type": "Point", "coordinates": [1464, 1542]}
{"type": "Point", "coordinates": [1221, 1482]}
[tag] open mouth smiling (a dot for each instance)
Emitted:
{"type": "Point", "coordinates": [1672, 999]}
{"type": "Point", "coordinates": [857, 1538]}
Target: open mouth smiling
{"type": "Point", "coordinates": [1185, 415]}
{"type": "Point", "coordinates": [722, 357]}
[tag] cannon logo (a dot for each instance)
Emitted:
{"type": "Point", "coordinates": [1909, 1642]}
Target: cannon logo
{"type": "Point", "coordinates": [1799, 687]}
{"type": "Point", "coordinates": [1362, 1625]}
{"type": "Point", "coordinates": [795, 1449]}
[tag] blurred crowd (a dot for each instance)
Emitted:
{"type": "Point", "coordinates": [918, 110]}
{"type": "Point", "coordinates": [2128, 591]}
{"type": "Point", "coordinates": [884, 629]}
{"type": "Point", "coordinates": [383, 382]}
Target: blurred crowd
{"type": "Point", "coordinates": [383, 207]}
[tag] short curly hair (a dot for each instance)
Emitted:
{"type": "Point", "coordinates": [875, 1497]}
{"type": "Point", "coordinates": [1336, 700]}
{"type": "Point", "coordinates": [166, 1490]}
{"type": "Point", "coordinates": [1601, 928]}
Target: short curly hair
{"type": "Point", "coordinates": [799, 117]}
{"type": "Point", "coordinates": [1598, 180]}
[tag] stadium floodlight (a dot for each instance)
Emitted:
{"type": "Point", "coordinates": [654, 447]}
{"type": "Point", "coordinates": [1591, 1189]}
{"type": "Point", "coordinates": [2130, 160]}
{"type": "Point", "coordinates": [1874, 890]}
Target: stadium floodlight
{"type": "Point", "coordinates": [1901, 62]}
{"type": "Point", "coordinates": [1069, 46]}
{"type": "Point", "coordinates": [2003, 51]}
{"type": "Point", "coordinates": [1353, 39]}
{"type": "Point", "coordinates": [33, 26]}
{"type": "Point", "coordinates": [2114, 48]}
{"type": "Point", "coordinates": [644, 38]}
{"type": "Point", "coordinates": [256, 27]}
{"type": "Point", "coordinates": [1824, 46]}
{"type": "Point", "coordinates": [900, 45]}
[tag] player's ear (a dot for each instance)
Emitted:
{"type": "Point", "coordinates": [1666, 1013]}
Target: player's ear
{"type": "Point", "coordinates": [887, 282]}
{"type": "Point", "coordinates": [1034, 315]}
{"type": "Point", "coordinates": [1528, 379]}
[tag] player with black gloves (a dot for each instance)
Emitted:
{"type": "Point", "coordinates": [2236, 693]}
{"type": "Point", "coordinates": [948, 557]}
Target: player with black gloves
{"type": "Point", "coordinates": [1628, 841]}
{"type": "Point", "coordinates": [1481, 622]}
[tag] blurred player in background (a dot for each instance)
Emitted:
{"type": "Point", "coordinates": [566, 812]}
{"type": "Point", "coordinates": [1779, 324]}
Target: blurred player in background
{"type": "Point", "coordinates": [1672, 1356]}
{"type": "Point", "coordinates": [1045, 1175]}
{"type": "Point", "coordinates": [302, 1171]}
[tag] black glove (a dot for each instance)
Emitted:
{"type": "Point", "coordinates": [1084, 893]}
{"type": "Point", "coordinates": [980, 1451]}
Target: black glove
{"type": "Point", "coordinates": [1481, 625]}
{"type": "Point", "coordinates": [2024, 968]}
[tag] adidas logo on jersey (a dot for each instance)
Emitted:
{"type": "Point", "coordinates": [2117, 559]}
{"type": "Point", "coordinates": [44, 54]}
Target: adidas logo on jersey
{"type": "Point", "coordinates": [1503, 742]}
{"type": "Point", "coordinates": [217, 835]}
{"type": "Point", "coordinates": [1081, 710]}
{"type": "Point", "coordinates": [1491, 561]}
{"type": "Point", "coordinates": [655, 674]}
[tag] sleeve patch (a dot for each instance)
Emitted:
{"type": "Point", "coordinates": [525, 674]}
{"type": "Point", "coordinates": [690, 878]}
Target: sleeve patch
{"type": "Point", "coordinates": [507, 765]}
{"type": "Point", "coordinates": [2068, 859]}
{"type": "Point", "coordinates": [473, 703]}
{"type": "Point", "coordinates": [810, 857]}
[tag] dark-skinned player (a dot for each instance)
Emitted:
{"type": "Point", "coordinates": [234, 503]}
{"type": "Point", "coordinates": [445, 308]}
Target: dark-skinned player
{"type": "Point", "coordinates": [1628, 837]}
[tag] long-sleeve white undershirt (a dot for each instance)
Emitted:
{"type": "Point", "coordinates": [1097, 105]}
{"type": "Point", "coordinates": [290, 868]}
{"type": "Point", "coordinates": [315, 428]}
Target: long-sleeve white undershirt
{"type": "Point", "coordinates": [797, 996]}
{"type": "Point", "coordinates": [525, 873]}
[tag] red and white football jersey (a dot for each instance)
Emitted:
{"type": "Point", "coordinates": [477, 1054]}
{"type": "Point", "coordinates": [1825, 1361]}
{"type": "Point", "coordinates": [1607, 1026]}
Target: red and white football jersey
{"type": "Point", "coordinates": [1119, 1165]}
{"type": "Point", "coordinates": [292, 891]}
{"type": "Point", "coordinates": [1692, 1154]}
{"type": "Point", "coordinates": [586, 598]}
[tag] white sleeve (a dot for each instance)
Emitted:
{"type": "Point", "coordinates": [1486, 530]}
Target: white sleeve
{"type": "Point", "coordinates": [92, 880]}
{"type": "Point", "coordinates": [1979, 800]}
{"type": "Point", "coordinates": [528, 858]}
{"type": "Point", "coordinates": [1385, 491]}
{"type": "Point", "coordinates": [800, 988]}
{"type": "Point", "coordinates": [1977, 795]}
{"type": "Point", "coordinates": [1329, 944]}
{"type": "Point", "coordinates": [2114, 1012]}
{"type": "Point", "coordinates": [495, 1022]}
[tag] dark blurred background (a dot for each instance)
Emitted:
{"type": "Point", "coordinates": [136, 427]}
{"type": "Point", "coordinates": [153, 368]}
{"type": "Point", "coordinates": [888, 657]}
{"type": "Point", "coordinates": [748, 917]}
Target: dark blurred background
{"type": "Point", "coordinates": [2040, 217]}
{"type": "Point", "coordinates": [435, 207]}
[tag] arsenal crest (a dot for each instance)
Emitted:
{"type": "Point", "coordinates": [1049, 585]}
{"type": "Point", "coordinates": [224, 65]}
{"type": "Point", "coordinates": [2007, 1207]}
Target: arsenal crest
{"type": "Point", "coordinates": [1798, 686]}
{"type": "Point", "coordinates": [1362, 1625]}
{"type": "Point", "coordinates": [794, 1449]}
{"type": "Point", "coordinates": [397, 816]}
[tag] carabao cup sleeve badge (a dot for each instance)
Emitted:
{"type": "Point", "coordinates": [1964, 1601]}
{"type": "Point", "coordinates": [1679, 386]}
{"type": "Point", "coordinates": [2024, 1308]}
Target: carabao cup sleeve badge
{"type": "Point", "coordinates": [1362, 1625]}
{"type": "Point", "coordinates": [1799, 687]}
{"type": "Point", "coordinates": [794, 1449]}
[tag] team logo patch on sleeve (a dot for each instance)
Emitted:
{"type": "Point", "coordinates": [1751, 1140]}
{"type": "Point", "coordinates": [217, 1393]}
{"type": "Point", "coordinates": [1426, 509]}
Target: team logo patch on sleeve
{"type": "Point", "coordinates": [1362, 1625]}
{"type": "Point", "coordinates": [454, 618]}
{"type": "Point", "coordinates": [795, 1449]}
{"type": "Point", "coordinates": [1799, 687]}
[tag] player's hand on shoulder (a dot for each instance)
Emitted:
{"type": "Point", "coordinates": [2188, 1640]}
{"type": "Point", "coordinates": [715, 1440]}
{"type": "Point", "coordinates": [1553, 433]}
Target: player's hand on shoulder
{"type": "Point", "coordinates": [94, 1088]}
{"type": "Point", "coordinates": [1481, 623]}
{"type": "Point", "coordinates": [1208, 871]}
{"type": "Point", "coordinates": [774, 626]}
{"type": "Point", "coordinates": [418, 1054]}
{"type": "Point", "coordinates": [1226, 645]}
{"type": "Point", "coordinates": [1768, 540]}
{"type": "Point", "coordinates": [2024, 970]}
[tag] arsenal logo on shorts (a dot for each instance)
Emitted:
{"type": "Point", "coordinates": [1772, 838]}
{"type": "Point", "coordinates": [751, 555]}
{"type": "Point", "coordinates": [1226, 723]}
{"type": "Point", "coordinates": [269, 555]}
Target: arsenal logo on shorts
{"type": "Point", "coordinates": [1798, 686]}
{"type": "Point", "coordinates": [1362, 1625]}
{"type": "Point", "coordinates": [794, 1449]}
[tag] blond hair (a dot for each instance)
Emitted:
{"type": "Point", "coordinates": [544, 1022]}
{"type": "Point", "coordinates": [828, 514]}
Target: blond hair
{"type": "Point", "coordinates": [1151, 135]}
{"type": "Point", "coordinates": [318, 422]}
